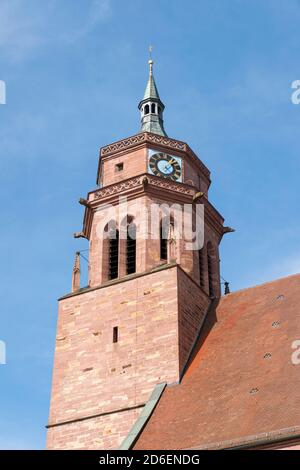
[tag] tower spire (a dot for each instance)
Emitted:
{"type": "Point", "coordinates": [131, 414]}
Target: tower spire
{"type": "Point", "coordinates": [151, 106]}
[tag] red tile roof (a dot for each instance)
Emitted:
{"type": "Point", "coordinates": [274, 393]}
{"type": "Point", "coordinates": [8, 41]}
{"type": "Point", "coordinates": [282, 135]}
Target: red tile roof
{"type": "Point", "coordinates": [241, 380]}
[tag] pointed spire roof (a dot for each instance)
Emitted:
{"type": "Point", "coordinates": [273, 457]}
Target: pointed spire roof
{"type": "Point", "coordinates": [151, 91]}
{"type": "Point", "coordinates": [152, 107]}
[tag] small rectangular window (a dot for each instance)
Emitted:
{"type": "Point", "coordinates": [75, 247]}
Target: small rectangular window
{"type": "Point", "coordinates": [115, 334]}
{"type": "Point", "coordinates": [119, 167]}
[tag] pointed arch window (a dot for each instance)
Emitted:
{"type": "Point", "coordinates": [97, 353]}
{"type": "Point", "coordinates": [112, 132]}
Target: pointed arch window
{"type": "Point", "coordinates": [131, 248]}
{"type": "Point", "coordinates": [201, 268]}
{"type": "Point", "coordinates": [113, 251]}
{"type": "Point", "coordinates": [163, 236]}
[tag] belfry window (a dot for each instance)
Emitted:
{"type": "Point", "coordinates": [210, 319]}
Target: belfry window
{"type": "Point", "coordinates": [131, 249]}
{"type": "Point", "coordinates": [146, 109]}
{"type": "Point", "coordinates": [153, 108]}
{"type": "Point", "coordinates": [201, 267]}
{"type": "Point", "coordinates": [163, 236]}
{"type": "Point", "coordinates": [113, 261]}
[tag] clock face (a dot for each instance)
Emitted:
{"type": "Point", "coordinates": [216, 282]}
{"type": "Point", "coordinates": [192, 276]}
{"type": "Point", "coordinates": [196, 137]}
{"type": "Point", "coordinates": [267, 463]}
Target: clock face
{"type": "Point", "coordinates": [164, 165]}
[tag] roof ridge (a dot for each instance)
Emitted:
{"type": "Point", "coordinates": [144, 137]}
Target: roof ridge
{"type": "Point", "coordinates": [260, 285]}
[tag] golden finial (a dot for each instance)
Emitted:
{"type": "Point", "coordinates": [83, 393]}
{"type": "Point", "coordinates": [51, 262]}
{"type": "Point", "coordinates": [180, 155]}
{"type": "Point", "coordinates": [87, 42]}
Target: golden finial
{"type": "Point", "coordinates": [150, 61]}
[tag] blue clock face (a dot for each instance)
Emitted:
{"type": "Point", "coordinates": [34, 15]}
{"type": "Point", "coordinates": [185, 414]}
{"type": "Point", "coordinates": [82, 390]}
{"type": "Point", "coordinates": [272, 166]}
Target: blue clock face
{"type": "Point", "coordinates": [167, 166]}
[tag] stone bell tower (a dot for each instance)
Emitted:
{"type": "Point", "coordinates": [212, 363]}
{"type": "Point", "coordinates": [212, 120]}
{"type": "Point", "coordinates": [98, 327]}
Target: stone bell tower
{"type": "Point", "coordinates": [134, 325]}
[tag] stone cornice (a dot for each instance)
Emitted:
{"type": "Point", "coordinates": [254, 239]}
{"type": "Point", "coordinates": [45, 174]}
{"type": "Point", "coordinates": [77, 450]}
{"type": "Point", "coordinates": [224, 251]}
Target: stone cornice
{"type": "Point", "coordinates": [122, 187]}
{"type": "Point", "coordinates": [132, 188]}
{"type": "Point", "coordinates": [160, 188]}
{"type": "Point", "coordinates": [129, 277]}
{"type": "Point", "coordinates": [140, 138]}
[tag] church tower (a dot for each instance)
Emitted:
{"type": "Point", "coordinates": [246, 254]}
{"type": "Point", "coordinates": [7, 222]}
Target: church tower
{"type": "Point", "coordinates": [149, 286]}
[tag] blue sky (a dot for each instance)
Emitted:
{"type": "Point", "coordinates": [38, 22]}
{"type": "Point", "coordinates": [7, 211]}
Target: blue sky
{"type": "Point", "coordinates": [75, 72]}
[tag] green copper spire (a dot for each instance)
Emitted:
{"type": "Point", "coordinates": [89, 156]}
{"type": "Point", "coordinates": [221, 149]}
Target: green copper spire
{"type": "Point", "coordinates": [151, 90]}
{"type": "Point", "coordinates": [152, 107]}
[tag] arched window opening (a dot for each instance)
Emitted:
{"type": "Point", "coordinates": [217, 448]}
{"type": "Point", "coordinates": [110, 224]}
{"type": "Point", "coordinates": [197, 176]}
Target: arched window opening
{"type": "Point", "coordinates": [131, 249]}
{"type": "Point", "coordinates": [153, 108]}
{"type": "Point", "coordinates": [210, 258]}
{"type": "Point", "coordinates": [113, 258]}
{"type": "Point", "coordinates": [159, 110]}
{"type": "Point", "coordinates": [163, 236]}
{"type": "Point", "coordinates": [146, 109]}
{"type": "Point", "coordinates": [201, 268]}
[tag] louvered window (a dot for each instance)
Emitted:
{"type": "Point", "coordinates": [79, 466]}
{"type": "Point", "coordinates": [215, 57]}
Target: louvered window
{"type": "Point", "coordinates": [113, 271]}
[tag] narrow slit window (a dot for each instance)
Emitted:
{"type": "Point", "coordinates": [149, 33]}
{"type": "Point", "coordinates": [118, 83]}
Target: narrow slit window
{"type": "Point", "coordinates": [115, 334]}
